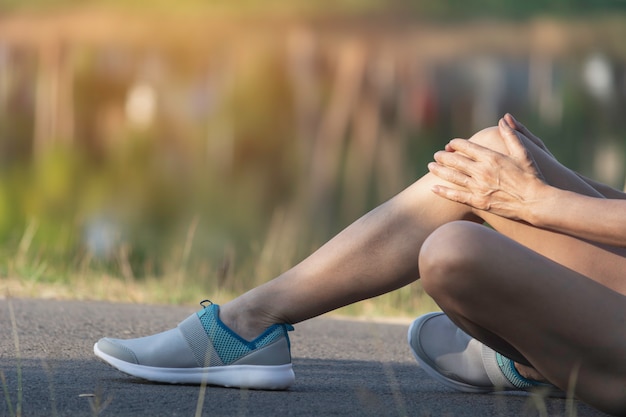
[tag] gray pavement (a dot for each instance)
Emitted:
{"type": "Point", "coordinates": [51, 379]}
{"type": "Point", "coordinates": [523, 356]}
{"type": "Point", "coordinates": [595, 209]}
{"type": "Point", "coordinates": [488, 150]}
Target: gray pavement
{"type": "Point", "coordinates": [343, 368]}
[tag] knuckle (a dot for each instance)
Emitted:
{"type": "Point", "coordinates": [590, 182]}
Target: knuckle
{"type": "Point", "coordinates": [483, 203]}
{"type": "Point", "coordinates": [495, 158]}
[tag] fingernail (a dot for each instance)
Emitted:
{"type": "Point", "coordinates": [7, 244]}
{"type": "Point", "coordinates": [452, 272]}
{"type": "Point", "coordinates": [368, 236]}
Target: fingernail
{"type": "Point", "coordinates": [514, 123]}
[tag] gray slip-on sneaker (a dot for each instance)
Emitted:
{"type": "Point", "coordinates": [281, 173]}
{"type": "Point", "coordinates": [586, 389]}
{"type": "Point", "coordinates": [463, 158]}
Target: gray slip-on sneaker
{"type": "Point", "coordinates": [460, 362]}
{"type": "Point", "coordinates": [202, 350]}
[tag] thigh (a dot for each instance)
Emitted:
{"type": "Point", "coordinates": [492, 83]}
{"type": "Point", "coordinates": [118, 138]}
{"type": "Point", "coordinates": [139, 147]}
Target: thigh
{"type": "Point", "coordinates": [562, 322]}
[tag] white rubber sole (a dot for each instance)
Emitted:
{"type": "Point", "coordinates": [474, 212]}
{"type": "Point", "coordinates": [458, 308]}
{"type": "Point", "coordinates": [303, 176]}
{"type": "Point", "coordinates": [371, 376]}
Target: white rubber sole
{"type": "Point", "coordinates": [276, 377]}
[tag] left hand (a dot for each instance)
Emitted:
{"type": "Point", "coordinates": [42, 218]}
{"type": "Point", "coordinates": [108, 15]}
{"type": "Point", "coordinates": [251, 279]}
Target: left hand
{"type": "Point", "coordinates": [502, 184]}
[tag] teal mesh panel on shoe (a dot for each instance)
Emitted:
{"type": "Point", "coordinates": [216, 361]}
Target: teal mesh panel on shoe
{"type": "Point", "coordinates": [227, 344]}
{"type": "Point", "coordinates": [507, 366]}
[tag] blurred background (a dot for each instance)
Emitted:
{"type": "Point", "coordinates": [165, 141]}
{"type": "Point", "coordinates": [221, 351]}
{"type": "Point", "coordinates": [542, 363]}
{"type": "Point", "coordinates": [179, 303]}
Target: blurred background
{"type": "Point", "coordinates": [167, 151]}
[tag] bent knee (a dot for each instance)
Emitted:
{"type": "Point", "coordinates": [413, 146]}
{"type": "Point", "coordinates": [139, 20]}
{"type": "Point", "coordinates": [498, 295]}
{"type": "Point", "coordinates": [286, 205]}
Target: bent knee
{"type": "Point", "coordinates": [490, 138]}
{"type": "Point", "coordinates": [452, 255]}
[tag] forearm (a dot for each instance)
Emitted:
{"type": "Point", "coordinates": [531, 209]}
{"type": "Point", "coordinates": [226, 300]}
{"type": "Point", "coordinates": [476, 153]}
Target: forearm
{"type": "Point", "coordinates": [596, 219]}
{"type": "Point", "coordinates": [605, 190]}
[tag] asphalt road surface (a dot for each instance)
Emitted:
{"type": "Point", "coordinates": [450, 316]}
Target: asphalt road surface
{"type": "Point", "coordinates": [343, 368]}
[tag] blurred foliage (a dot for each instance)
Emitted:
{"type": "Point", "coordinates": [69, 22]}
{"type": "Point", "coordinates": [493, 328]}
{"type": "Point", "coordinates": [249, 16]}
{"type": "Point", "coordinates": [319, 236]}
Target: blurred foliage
{"type": "Point", "coordinates": [213, 194]}
{"type": "Point", "coordinates": [421, 9]}
{"type": "Point", "coordinates": [147, 202]}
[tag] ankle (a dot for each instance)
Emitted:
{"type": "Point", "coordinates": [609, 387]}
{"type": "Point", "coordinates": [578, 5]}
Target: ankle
{"type": "Point", "coordinates": [529, 372]}
{"type": "Point", "coordinates": [243, 321]}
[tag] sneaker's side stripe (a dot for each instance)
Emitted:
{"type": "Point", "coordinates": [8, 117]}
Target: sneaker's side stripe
{"type": "Point", "coordinates": [199, 342]}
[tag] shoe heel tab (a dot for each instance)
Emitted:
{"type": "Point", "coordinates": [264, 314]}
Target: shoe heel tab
{"type": "Point", "coordinates": [207, 307]}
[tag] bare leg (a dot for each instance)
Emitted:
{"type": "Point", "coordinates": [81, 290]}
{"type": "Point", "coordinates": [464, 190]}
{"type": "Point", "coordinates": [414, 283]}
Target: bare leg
{"type": "Point", "coordinates": [374, 255]}
{"type": "Point", "coordinates": [569, 327]}
{"type": "Point", "coordinates": [532, 294]}
{"type": "Point", "coordinates": [378, 253]}
{"type": "Point", "coordinates": [601, 263]}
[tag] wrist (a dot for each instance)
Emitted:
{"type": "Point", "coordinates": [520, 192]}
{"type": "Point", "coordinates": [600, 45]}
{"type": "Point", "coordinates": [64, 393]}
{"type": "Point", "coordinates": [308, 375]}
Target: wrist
{"type": "Point", "coordinates": [542, 206]}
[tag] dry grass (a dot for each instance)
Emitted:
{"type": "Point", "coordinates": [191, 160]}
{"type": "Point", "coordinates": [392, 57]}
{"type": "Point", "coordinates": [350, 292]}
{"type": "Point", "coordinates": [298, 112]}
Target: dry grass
{"type": "Point", "coordinates": [400, 305]}
{"type": "Point", "coordinates": [29, 274]}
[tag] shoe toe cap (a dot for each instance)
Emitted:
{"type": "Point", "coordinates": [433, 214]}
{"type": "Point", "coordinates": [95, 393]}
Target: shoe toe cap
{"type": "Point", "coordinates": [117, 349]}
{"type": "Point", "coordinates": [163, 350]}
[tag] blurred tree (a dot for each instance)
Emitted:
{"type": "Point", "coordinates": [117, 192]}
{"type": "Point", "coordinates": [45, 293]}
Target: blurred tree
{"type": "Point", "coordinates": [421, 9]}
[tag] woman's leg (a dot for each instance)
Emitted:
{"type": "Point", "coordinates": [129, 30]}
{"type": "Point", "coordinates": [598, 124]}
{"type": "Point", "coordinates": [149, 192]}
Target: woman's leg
{"type": "Point", "coordinates": [374, 255]}
{"type": "Point", "coordinates": [569, 327]}
{"type": "Point", "coordinates": [378, 253]}
{"type": "Point", "coordinates": [555, 276]}
{"type": "Point", "coordinates": [601, 263]}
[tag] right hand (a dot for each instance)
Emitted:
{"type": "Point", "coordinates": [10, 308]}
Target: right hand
{"type": "Point", "coordinates": [505, 184]}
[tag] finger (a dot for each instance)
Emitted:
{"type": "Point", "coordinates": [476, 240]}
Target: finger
{"type": "Point", "coordinates": [515, 124]}
{"type": "Point", "coordinates": [449, 148]}
{"type": "Point", "coordinates": [450, 175]}
{"type": "Point", "coordinates": [511, 139]}
{"type": "Point", "coordinates": [454, 160]}
{"type": "Point", "coordinates": [471, 150]}
{"type": "Point", "coordinates": [524, 133]}
{"type": "Point", "coordinates": [452, 194]}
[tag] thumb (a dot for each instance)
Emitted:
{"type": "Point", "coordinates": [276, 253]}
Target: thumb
{"type": "Point", "coordinates": [519, 126]}
{"type": "Point", "coordinates": [511, 139]}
